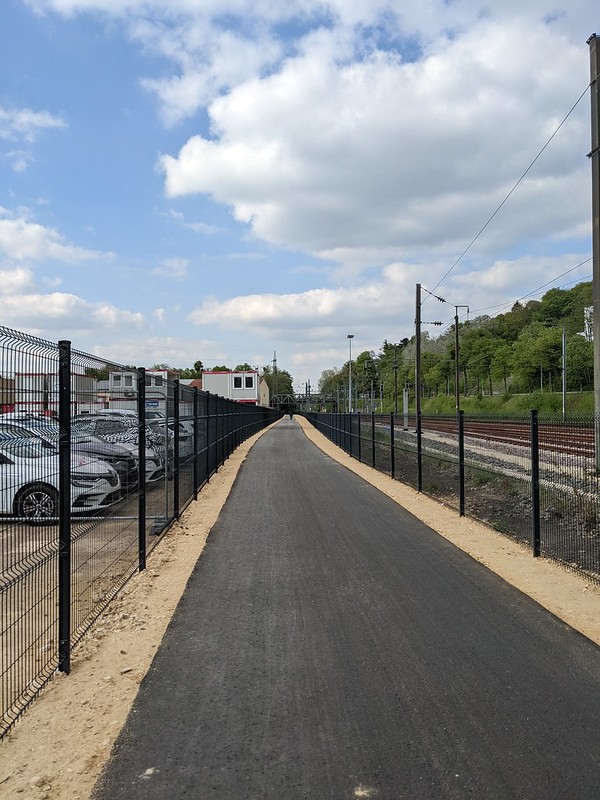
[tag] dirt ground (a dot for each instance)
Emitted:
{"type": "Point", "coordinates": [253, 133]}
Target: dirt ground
{"type": "Point", "coordinates": [57, 749]}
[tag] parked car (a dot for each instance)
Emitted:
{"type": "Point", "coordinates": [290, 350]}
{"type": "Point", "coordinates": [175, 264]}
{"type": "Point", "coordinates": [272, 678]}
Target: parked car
{"type": "Point", "coordinates": [29, 481]}
{"type": "Point", "coordinates": [119, 456]}
{"type": "Point", "coordinates": [159, 424]}
{"type": "Point", "coordinates": [124, 430]}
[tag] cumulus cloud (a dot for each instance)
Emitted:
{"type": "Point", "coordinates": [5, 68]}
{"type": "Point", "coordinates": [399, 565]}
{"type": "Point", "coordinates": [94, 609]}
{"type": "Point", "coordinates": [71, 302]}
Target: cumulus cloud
{"type": "Point", "coordinates": [173, 350]}
{"type": "Point", "coordinates": [309, 314]}
{"type": "Point", "coordinates": [23, 240]}
{"type": "Point", "coordinates": [397, 157]}
{"type": "Point", "coordinates": [58, 311]}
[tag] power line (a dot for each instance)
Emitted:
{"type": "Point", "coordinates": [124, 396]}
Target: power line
{"type": "Point", "coordinates": [535, 291]}
{"type": "Point", "coordinates": [482, 229]}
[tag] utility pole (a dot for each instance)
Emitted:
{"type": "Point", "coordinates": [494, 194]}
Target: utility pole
{"type": "Point", "coordinates": [418, 389]}
{"type": "Point", "coordinates": [456, 360]}
{"type": "Point", "coordinates": [564, 373]}
{"type": "Point", "coordinates": [274, 374]}
{"type": "Point", "coordinates": [350, 337]}
{"type": "Point", "coordinates": [418, 352]}
{"type": "Point", "coordinates": [395, 380]}
{"type": "Point", "coordinates": [594, 156]}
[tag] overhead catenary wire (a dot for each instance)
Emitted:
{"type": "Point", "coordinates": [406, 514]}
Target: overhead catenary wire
{"type": "Point", "coordinates": [512, 190]}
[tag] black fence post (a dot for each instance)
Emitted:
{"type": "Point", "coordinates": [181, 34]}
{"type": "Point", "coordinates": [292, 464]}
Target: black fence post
{"type": "Point", "coordinates": [207, 437]}
{"type": "Point", "coordinates": [372, 439]}
{"type": "Point", "coordinates": [535, 484]}
{"type": "Point", "coordinates": [358, 418]}
{"type": "Point", "coordinates": [141, 403]}
{"type": "Point", "coordinates": [196, 444]}
{"type": "Point", "coordinates": [392, 447]}
{"type": "Point", "coordinates": [419, 454]}
{"type": "Point", "coordinates": [461, 462]}
{"type": "Point", "coordinates": [64, 506]}
{"type": "Point", "coordinates": [176, 417]}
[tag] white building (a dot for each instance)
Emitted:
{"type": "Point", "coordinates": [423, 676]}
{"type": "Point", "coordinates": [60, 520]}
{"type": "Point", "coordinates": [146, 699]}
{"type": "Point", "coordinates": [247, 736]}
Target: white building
{"type": "Point", "coordinates": [122, 389]}
{"type": "Point", "coordinates": [244, 387]}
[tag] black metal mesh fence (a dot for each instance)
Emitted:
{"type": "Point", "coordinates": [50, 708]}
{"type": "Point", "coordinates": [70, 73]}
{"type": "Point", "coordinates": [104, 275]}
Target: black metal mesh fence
{"type": "Point", "coordinates": [96, 461]}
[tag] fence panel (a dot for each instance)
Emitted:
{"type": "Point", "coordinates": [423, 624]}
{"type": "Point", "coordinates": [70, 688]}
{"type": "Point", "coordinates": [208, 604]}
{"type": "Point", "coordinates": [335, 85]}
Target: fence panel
{"type": "Point", "coordinates": [569, 484]}
{"type": "Point", "coordinates": [29, 543]}
{"type": "Point", "coordinates": [135, 449]}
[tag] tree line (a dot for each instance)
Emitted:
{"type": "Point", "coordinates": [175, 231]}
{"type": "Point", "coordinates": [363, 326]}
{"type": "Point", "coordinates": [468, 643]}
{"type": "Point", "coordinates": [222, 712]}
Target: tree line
{"type": "Point", "coordinates": [515, 352]}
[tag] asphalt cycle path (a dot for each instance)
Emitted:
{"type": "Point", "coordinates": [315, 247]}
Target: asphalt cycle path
{"type": "Point", "coordinates": [330, 645]}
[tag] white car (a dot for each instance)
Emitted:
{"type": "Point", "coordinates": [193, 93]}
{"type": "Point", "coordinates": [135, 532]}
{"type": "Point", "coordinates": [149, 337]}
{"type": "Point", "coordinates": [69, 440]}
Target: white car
{"type": "Point", "coordinates": [29, 476]}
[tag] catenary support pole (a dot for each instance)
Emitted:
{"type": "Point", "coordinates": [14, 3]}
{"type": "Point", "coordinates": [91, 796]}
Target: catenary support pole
{"type": "Point", "coordinates": [418, 387]}
{"type": "Point", "coordinates": [594, 156]}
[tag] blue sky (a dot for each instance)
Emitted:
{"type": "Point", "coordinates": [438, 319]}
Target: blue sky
{"type": "Point", "coordinates": [220, 179]}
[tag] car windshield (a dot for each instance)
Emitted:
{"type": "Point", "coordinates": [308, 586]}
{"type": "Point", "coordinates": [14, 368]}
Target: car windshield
{"type": "Point", "coordinates": [25, 448]}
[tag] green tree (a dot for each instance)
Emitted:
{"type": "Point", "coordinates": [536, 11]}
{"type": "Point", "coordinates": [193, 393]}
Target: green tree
{"type": "Point", "coordinates": [280, 382]}
{"type": "Point", "coordinates": [477, 347]}
{"type": "Point", "coordinates": [580, 364]}
{"type": "Point", "coordinates": [537, 356]}
{"type": "Point", "coordinates": [502, 364]}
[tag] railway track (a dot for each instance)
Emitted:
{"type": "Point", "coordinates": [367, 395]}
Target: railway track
{"type": "Point", "coordinates": [576, 438]}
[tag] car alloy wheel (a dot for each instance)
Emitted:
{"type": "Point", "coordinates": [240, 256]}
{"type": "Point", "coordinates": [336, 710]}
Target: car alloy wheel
{"type": "Point", "coordinates": [37, 503]}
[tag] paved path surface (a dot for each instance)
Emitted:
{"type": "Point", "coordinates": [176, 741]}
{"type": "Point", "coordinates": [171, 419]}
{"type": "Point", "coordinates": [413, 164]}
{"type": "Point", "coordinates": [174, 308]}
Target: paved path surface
{"type": "Point", "coordinates": [331, 646]}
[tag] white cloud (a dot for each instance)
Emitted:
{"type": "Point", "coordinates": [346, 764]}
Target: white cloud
{"type": "Point", "coordinates": [381, 158]}
{"type": "Point", "coordinates": [19, 160]}
{"type": "Point", "coordinates": [175, 351]}
{"type": "Point", "coordinates": [198, 227]}
{"type": "Point", "coordinates": [63, 312]}
{"type": "Point", "coordinates": [25, 124]}
{"type": "Point", "coordinates": [14, 281]}
{"type": "Point", "coordinates": [308, 315]}
{"type": "Point", "coordinates": [174, 268]}
{"type": "Point", "coordinates": [22, 240]}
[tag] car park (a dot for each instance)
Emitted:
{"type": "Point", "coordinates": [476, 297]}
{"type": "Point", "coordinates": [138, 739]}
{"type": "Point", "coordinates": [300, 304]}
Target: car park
{"type": "Point", "coordinates": [124, 430]}
{"type": "Point", "coordinates": [29, 482]}
{"type": "Point", "coordinates": [119, 456]}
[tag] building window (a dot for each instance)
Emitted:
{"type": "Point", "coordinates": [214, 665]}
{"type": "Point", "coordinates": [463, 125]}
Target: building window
{"type": "Point", "coordinates": [249, 382]}
{"type": "Point", "coordinates": [158, 381]}
{"type": "Point", "coordinates": [116, 380]}
{"type": "Point", "coordinates": [128, 380]}
{"type": "Point", "coordinates": [237, 382]}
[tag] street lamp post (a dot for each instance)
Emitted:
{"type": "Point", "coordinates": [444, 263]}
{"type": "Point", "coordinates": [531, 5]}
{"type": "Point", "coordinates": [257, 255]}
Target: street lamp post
{"type": "Point", "coordinates": [350, 337]}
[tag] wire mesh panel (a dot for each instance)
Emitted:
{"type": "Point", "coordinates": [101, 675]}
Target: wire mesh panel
{"type": "Point", "coordinates": [439, 440]}
{"type": "Point", "coordinates": [405, 451]}
{"type": "Point", "coordinates": [104, 527]}
{"type": "Point", "coordinates": [381, 442]}
{"type": "Point", "coordinates": [29, 505]}
{"type": "Point", "coordinates": [569, 484]}
{"type": "Point", "coordinates": [185, 443]}
{"type": "Point", "coordinates": [498, 475]}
